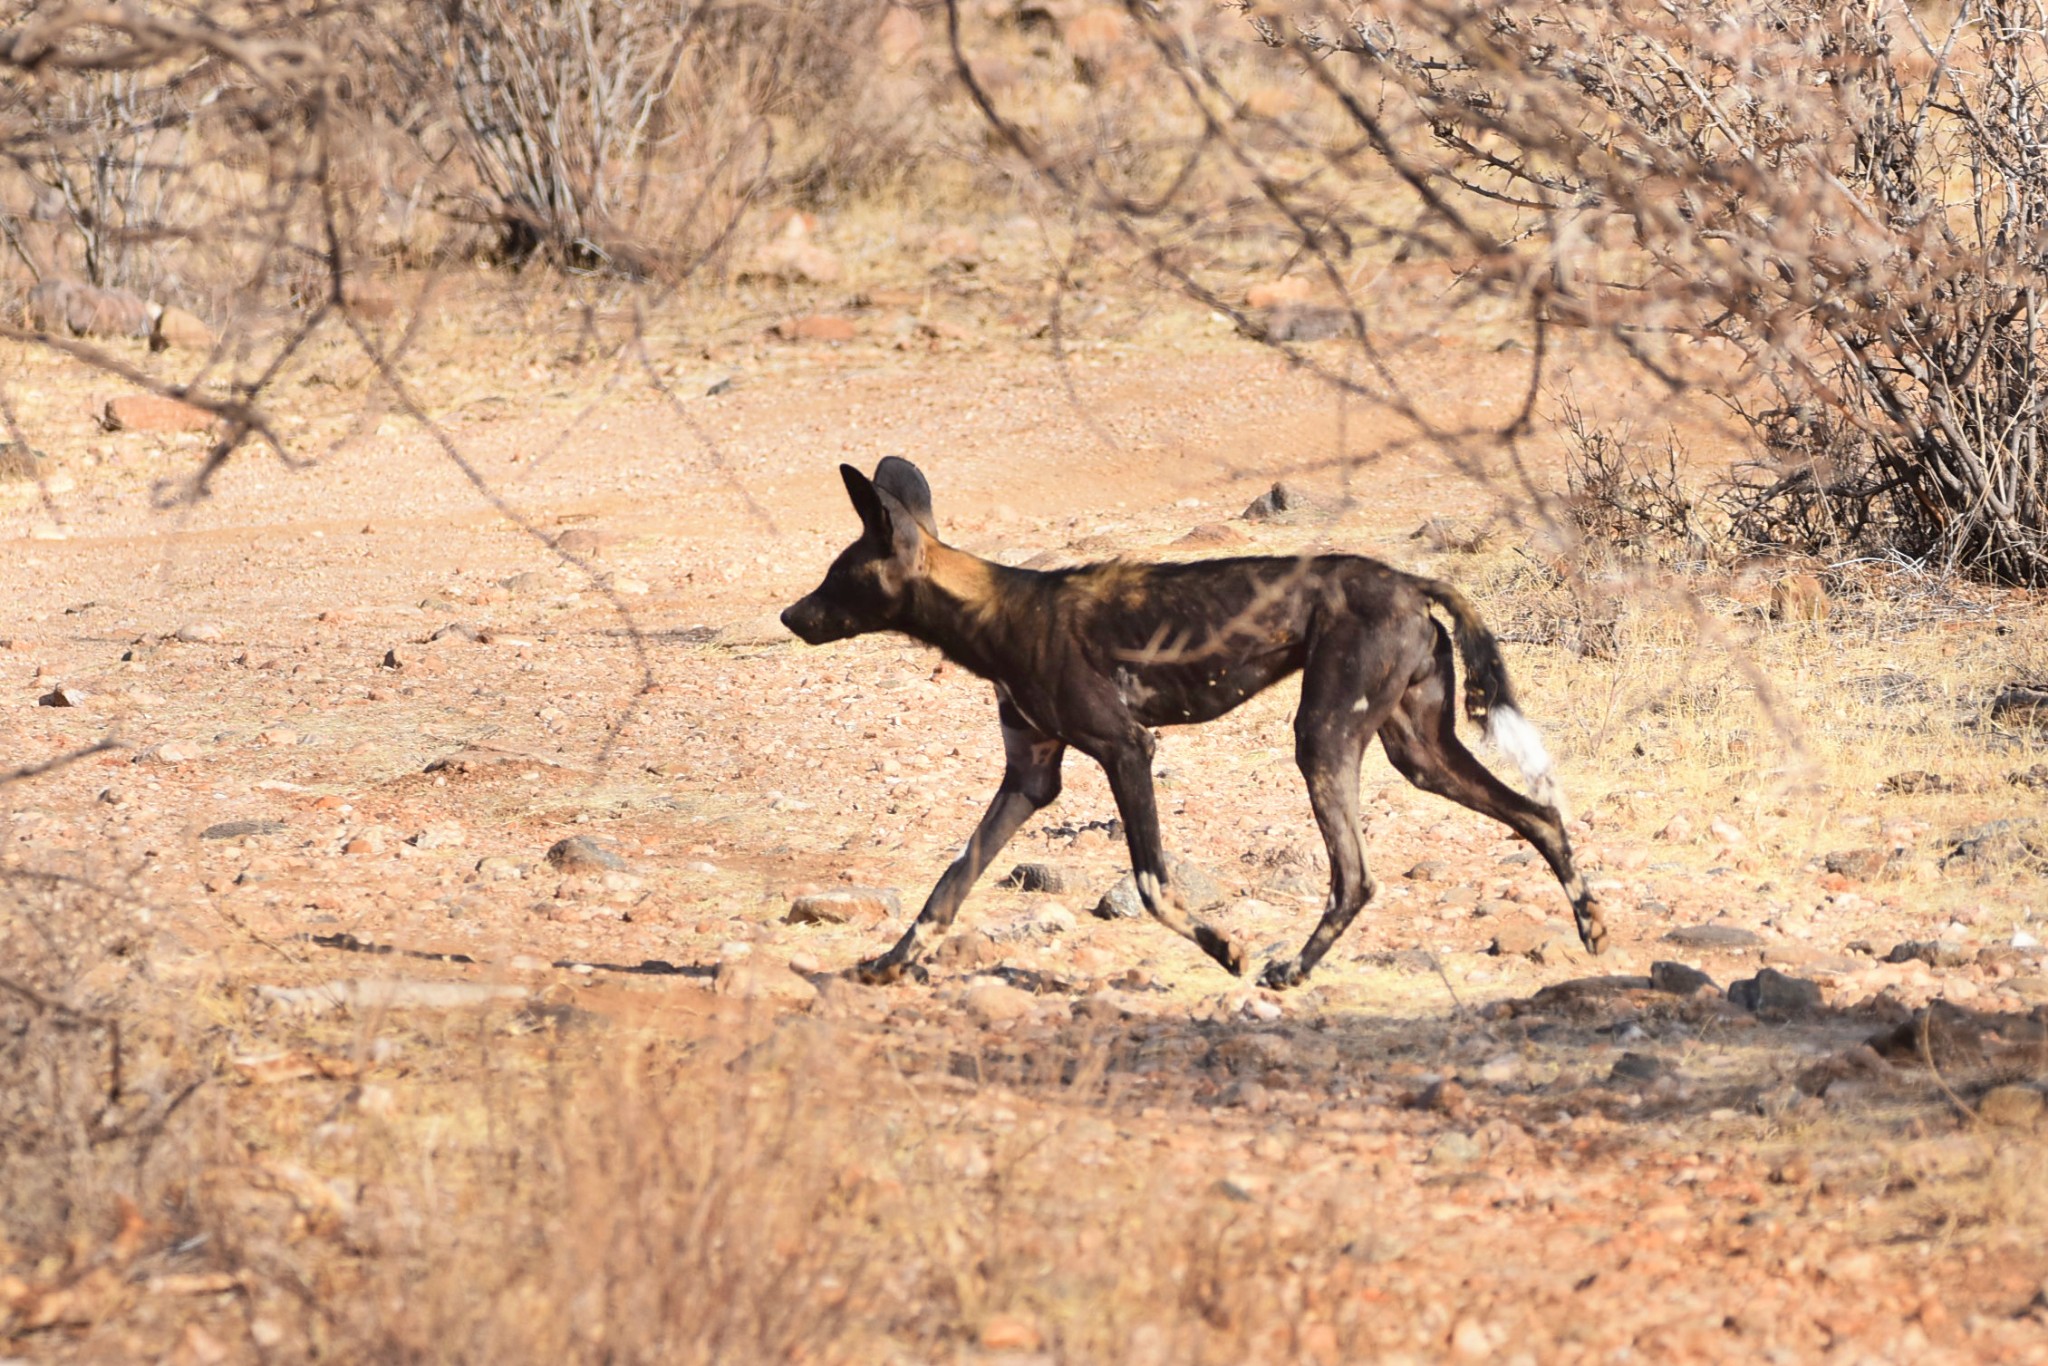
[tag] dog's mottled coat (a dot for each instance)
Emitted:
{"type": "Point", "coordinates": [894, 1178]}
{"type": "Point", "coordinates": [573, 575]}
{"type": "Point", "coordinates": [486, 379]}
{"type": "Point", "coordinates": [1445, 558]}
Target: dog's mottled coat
{"type": "Point", "coordinates": [1094, 657]}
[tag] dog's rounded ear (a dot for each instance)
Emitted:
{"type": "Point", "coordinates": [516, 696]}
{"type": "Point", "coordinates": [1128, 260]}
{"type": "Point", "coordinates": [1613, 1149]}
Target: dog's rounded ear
{"type": "Point", "coordinates": [867, 502]}
{"type": "Point", "coordinates": [905, 482]}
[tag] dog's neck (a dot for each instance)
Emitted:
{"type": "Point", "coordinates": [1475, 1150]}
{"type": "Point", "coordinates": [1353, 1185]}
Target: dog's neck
{"type": "Point", "coordinates": [955, 605]}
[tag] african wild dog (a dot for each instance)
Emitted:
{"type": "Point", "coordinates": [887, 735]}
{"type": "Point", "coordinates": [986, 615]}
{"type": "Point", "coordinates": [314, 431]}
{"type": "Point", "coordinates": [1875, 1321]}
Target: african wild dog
{"type": "Point", "coordinates": [1093, 657]}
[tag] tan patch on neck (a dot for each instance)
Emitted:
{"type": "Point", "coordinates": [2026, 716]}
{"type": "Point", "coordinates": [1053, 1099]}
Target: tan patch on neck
{"type": "Point", "coordinates": [967, 578]}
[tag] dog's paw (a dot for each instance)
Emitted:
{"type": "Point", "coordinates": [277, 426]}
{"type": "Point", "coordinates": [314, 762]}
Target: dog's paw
{"type": "Point", "coordinates": [882, 972]}
{"type": "Point", "coordinates": [1592, 929]}
{"type": "Point", "coordinates": [1282, 973]}
{"type": "Point", "coordinates": [1221, 947]}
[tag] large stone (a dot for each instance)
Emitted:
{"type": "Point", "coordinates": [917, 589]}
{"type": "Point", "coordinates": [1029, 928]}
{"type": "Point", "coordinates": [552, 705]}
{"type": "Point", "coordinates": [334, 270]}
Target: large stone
{"type": "Point", "coordinates": [1284, 502]}
{"type": "Point", "coordinates": [819, 327]}
{"type": "Point", "coordinates": [60, 305]}
{"type": "Point", "coordinates": [153, 413]}
{"type": "Point", "coordinates": [1289, 289]}
{"type": "Point", "coordinates": [581, 854]}
{"type": "Point", "coordinates": [1540, 943]}
{"type": "Point", "coordinates": [176, 328]}
{"type": "Point", "coordinates": [1771, 992]}
{"type": "Point", "coordinates": [992, 1001]}
{"type": "Point", "coordinates": [865, 906]}
{"type": "Point", "coordinates": [1713, 936]}
{"type": "Point", "coordinates": [1680, 979]}
{"type": "Point", "coordinates": [232, 830]}
{"type": "Point", "coordinates": [749, 980]}
{"type": "Point", "coordinates": [1038, 877]}
{"type": "Point", "coordinates": [2016, 1107]}
{"type": "Point", "coordinates": [1198, 891]}
{"type": "Point", "coordinates": [1799, 597]}
{"type": "Point", "coordinates": [1861, 864]}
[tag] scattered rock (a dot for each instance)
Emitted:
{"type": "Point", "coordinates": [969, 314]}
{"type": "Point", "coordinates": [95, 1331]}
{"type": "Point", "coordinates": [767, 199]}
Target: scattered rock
{"type": "Point", "coordinates": [1291, 289]}
{"type": "Point", "coordinates": [1771, 992]}
{"type": "Point", "coordinates": [169, 752]}
{"type": "Point", "coordinates": [1799, 597]}
{"type": "Point", "coordinates": [234, 830]}
{"type": "Point", "coordinates": [1306, 323]}
{"type": "Point", "coordinates": [177, 328]}
{"type": "Point", "coordinates": [897, 38]}
{"type": "Point", "coordinates": [472, 759]}
{"type": "Point", "coordinates": [368, 298]}
{"type": "Point", "coordinates": [63, 695]}
{"type": "Point", "coordinates": [1284, 502]}
{"type": "Point", "coordinates": [582, 540]}
{"type": "Point", "coordinates": [1935, 953]}
{"type": "Point", "coordinates": [19, 461]}
{"type": "Point", "coordinates": [1638, 1068]}
{"type": "Point", "coordinates": [1038, 877]}
{"type": "Point", "coordinates": [1861, 1063]}
{"type": "Point", "coordinates": [1540, 943]}
{"type": "Point", "coordinates": [794, 258]}
{"type": "Point", "coordinates": [864, 906]}
{"type": "Point", "coordinates": [1680, 979]}
{"type": "Point", "coordinates": [199, 633]}
{"type": "Point", "coordinates": [818, 327]}
{"type": "Point", "coordinates": [2023, 703]}
{"type": "Point", "coordinates": [1006, 1332]}
{"type": "Point", "coordinates": [1454, 1149]}
{"type": "Point", "coordinates": [749, 979]}
{"type": "Point", "coordinates": [1211, 536]}
{"type": "Point", "coordinates": [153, 413]}
{"type": "Point", "coordinates": [1198, 891]}
{"type": "Point", "coordinates": [582, 854]}
{"type": "Point", "coordinates": [1587, 988]}
{"type": "Point", "coordinates": [991, 1001]}
{"type": "Point", "coordinates": [2013, 1107]}
{"type": "Point", "coordinates": [1441, 534]}
{"type": "Point", "coordinates": [1712, 936]}
{"type": "Point", "coordinates": [1997, 844]}
{"type": "Point", "coordinates": [1444, 1097]}
{"type": "Point", "coordinates": [1055, 919]}
{"type": "Point", "coordinates": [955, 247]}
{"type": "Point", "coordinates": [57, 304]}
{"type": "Point", "coordinates": [388, 993]}
{"type": "Point", "coordinates": [1861, 864]}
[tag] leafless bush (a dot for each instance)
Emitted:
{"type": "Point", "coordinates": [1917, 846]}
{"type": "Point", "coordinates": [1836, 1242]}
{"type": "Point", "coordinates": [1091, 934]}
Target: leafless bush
{"type": "Point", "coordinates": [94, 1080]}
{"type": "Point", "coordinates": [1829, 210]}
{"type": "Point", "coordinates": [612, 134]}
{"type": "Point", "coordinates": [1622, 494]}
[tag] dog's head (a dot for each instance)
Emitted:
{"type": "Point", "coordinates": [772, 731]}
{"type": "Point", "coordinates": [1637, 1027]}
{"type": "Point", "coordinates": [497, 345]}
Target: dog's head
{"type": "Point", "coordinates": [868, 586]}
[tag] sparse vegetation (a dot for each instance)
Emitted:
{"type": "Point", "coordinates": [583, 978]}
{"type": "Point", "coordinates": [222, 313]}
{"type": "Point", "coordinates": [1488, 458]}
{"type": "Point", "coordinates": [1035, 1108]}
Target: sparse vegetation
{"type": "Point", "coordinates": [1697, 339]}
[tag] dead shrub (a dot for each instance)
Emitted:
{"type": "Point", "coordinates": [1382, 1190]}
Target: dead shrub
{"type": "Point", "coordinates": [633, 137]}
{"type": "Point", "coordinates": [1829, 212]}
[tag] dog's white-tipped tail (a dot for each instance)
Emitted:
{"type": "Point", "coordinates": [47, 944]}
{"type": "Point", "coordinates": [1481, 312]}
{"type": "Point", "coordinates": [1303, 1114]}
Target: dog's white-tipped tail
{"type": "Point", "coordinates": [1510, 732]}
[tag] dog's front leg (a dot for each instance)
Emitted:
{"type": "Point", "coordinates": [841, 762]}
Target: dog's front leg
{"type": "Point", "coordinates": [1129, 765]}
{"type": "Point", "coordinates": [1031, 779]}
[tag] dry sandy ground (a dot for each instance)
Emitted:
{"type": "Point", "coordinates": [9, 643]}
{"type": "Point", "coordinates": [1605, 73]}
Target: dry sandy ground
{"type": "Point", "coordinates": [1607, 1172]}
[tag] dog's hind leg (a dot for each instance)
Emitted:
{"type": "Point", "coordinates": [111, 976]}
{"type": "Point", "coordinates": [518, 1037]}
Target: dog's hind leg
{"type": "Point", "coordinates": [1128, 762]}
{"type": "Point", "coordinates": [1347, 690]}
{"type": "Point", "coordinates": [1422, 742]}
{"type": "Point", "coordinates": [1031, 780]}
